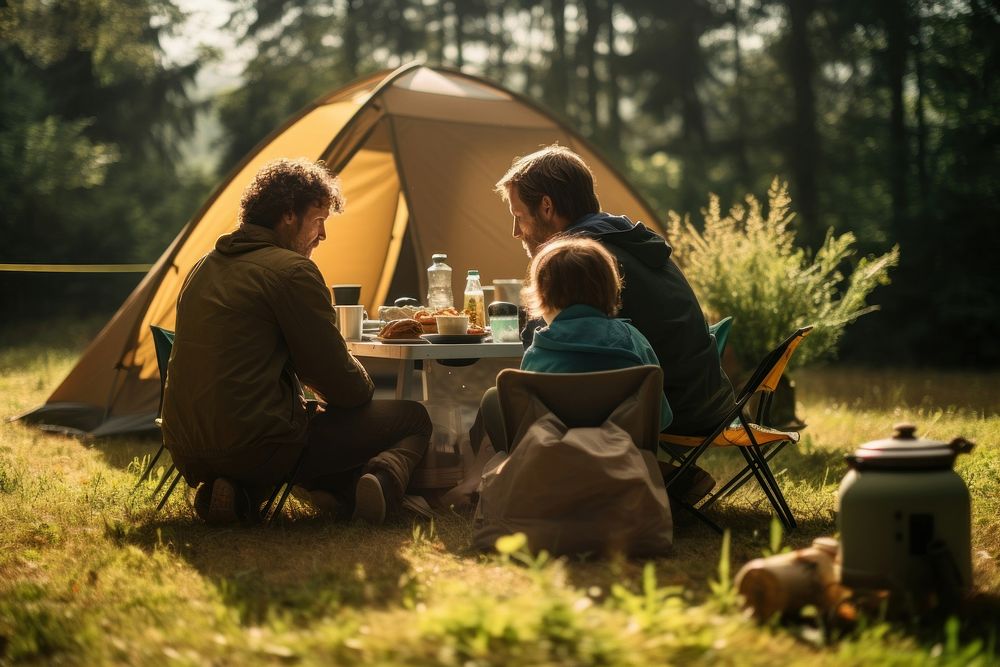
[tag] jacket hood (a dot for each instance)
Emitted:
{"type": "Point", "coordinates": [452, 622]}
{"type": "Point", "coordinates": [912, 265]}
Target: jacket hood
{"type": "Point", "coordinates": [246, 238]}
{"type": "Point", "coordinates": [634, 238]}
{"type": "Point", "coordinates": [604, 336]}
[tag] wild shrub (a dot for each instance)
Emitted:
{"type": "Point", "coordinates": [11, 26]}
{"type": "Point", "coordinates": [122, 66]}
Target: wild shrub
{"type": "Point", "coordinates": [746, 264]}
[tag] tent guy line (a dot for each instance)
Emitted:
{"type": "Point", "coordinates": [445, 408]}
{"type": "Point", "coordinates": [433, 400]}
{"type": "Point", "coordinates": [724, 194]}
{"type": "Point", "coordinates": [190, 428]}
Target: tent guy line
{"type": "Point", "coordinates": [76, 268]}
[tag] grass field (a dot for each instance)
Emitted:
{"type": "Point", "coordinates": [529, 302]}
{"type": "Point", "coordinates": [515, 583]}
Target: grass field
{"type": "Point", "coordinates": [88, 575]}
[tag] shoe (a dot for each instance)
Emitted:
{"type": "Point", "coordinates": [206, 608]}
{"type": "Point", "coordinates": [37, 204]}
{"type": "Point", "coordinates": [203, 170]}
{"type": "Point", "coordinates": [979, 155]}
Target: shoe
{"type": "Point", "coordinates": [221, 501]}
{"type": "Point", "coordinates": [693, 485]}
{"type": "Point", "coordinates": [369, 500]}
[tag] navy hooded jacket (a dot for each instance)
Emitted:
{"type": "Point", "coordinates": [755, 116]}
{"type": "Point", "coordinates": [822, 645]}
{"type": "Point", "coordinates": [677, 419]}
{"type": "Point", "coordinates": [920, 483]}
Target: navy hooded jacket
{"type": "Point", "coordinates": [660, 303]}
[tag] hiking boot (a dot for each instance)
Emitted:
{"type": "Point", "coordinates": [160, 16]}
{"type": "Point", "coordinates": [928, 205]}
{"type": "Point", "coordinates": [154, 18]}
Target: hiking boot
{"type": "Point", "coordinates": [370, 498]}
{"type": "Point", "coordinates": [693, 485]}
{"type": "Point", "coordinates": [221, 501]}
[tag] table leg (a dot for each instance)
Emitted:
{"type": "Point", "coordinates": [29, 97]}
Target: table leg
{"type": "Point", "coordinates": [404, 378]}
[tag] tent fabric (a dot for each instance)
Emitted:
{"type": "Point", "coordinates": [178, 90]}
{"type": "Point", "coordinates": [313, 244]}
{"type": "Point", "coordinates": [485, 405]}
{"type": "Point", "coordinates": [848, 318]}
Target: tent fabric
{"type": "Point", "coordinates": [417, 150]}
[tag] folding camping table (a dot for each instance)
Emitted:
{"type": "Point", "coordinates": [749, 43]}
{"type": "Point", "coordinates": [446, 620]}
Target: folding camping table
{"type": "Point", "coordinates": [407, 355]}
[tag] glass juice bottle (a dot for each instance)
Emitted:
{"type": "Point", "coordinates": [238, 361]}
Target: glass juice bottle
{"type": "Point", "coordinates": [475, 304]}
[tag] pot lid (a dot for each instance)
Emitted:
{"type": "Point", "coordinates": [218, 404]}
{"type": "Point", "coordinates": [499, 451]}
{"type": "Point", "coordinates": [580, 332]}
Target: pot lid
{"type": "Point", "coordinates": [904, 437]}
{"type": "Point", "coordinates": [905, 451]}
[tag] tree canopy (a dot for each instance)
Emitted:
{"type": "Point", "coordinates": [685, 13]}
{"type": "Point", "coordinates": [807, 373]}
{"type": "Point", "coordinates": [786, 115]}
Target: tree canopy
{"type": "Point", "coordinates": [883, 117]}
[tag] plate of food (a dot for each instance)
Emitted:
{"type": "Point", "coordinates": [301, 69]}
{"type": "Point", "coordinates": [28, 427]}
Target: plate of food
{"type": "Point", "coordinates": [455, 339]}
{"type": "Point", "coordinates": [401, 332]}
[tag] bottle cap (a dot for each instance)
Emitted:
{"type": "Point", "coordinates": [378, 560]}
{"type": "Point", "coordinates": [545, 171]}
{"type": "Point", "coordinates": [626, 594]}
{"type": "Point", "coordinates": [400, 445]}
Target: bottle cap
{"type": "Point", "coordinates": [474, 272]}
{"type": "Point", "coordinates": [439, 257]}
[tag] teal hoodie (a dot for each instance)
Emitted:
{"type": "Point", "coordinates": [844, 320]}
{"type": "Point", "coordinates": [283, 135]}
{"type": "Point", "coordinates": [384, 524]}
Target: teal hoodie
{"type": "Point", "coordinates": [582, 339]}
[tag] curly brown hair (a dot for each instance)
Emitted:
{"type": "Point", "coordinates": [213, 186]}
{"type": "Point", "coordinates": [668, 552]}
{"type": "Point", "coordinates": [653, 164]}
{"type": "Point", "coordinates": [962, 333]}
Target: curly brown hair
{"type": "Point", "coordinates": [289, 186]}
{"type": "Point", "coordinates": [571, 270]}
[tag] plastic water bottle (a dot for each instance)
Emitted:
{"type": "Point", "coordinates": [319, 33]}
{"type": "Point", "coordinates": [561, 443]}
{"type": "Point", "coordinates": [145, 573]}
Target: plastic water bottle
{"type": "Point", "coordinates": [475, 302]}
{"type": "Point", "coordinates": [439, 294]}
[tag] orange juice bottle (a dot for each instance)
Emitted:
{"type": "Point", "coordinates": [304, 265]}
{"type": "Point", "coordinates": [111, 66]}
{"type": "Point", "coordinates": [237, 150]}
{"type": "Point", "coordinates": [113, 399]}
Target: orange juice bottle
{"type": "Point", "coordinates": [475, 303]}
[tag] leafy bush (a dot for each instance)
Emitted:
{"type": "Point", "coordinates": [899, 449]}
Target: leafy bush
{"type": "Point", "coordinates": [747, 265]}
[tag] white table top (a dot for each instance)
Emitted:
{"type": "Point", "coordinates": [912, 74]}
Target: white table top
{"type": "Point", "coordinates": [435, 350]}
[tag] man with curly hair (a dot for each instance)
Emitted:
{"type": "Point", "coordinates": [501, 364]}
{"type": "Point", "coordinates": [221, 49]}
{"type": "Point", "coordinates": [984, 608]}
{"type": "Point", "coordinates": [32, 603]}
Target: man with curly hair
{"type": "Point", "coordinates": [254, 323]}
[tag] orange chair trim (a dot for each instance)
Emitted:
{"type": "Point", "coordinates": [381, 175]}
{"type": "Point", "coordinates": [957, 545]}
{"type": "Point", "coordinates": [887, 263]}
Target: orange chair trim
{"type": "Point", "coordinates": [733, 436]}
{"type": "Point", "coordinates": [770, 382]}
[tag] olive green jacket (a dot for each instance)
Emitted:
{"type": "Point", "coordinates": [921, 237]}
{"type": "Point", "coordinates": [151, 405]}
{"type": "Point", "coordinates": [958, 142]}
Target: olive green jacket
{"type": "Point", "coordinates": [253, 319]}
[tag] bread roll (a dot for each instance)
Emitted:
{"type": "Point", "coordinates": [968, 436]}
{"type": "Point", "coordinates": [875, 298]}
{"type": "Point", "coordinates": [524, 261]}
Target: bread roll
{"type": "Point", "coordinates": [398, 329]}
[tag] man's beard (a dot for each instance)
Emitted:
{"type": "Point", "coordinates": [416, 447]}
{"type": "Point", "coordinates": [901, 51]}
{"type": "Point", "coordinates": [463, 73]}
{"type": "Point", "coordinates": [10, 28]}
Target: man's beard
{"type": "Point", "coordinates": [531, 246]}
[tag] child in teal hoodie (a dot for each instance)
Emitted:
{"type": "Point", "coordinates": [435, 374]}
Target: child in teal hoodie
{"type": "Point", "coordinates": [575, 286]}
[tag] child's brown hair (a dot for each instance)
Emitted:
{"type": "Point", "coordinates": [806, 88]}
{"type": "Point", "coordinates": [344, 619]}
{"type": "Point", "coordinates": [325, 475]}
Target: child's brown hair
{"type": "Point", "coordinates": [572, 270]}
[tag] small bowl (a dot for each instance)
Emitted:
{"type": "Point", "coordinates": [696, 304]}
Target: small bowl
{"type": "Point", "coordinates": [452, 324]}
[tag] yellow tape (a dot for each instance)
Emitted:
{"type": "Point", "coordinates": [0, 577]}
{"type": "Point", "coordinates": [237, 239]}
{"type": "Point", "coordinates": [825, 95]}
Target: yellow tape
{"type": "Point", "coordinates": [77, 268]}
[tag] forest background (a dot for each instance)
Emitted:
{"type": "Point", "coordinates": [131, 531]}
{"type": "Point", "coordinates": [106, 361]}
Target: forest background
{"type": "Point", "coordinates": [884, 116]}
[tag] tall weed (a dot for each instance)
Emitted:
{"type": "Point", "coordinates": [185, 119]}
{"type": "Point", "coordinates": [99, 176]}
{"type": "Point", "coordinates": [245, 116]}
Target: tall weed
{"type": "Point", "coordinates": [746, 265]}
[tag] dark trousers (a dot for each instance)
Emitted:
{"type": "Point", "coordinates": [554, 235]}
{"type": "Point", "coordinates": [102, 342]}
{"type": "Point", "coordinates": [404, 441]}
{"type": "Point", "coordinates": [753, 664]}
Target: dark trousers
{"type": "Point", "coordinates": [341, 445]}
{"type": "Point", "coordinates": [491, 420]}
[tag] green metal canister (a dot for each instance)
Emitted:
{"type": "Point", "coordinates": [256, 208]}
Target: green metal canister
{"type": "Point", "coordinates": [904, 517]}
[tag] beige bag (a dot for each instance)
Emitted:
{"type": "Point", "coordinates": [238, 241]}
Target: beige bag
{"type": "Point", "coordinates": [576, 490]}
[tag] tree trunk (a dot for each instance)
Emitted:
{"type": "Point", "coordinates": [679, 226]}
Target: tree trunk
{"type": "Point", "coordinates": [442, 34]}
{"type": "Point", "coordinates": [614, 130]}
{"type": "Point", "coordinates": [557, 92]}
{"type": "Point", "coordinates": [589, 56]}
{"type": "Point", "coordinates": [895, 55]}
{"type": "Point", "coordinates": [923, 178]}
{"type": "Point", "coordinates": [804, 148]}
{"type": "Point", "coordinates": [742, 161]}
{"type": "Point", "coordinates": [351, 42]}
{"type": "Point", "coordinates": [459, 12]}
{"type": "Point", "coordinates": [688, 71]}
{"type": "Point", "coordinates": [500, 40]}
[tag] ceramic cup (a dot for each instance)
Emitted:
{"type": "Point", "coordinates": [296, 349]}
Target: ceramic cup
{"type": "Point", "coordinates": [350, 321]}
{"type": "Point", "coordinates": [508, 290]}
{"type": "Point", "coordinates": [346, 295]}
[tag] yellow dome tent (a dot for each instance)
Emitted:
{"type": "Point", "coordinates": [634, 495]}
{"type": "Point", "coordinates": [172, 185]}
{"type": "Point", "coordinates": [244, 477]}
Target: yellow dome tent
{"type": "Point", "coordinates": [418, 151]}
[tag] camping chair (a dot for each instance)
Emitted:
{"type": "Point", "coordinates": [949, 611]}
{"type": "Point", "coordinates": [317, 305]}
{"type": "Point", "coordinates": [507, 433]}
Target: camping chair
{"type": "Point", "coordinates": [592, 486]}
{"type": "Point", "coordinates": [163, 341]}
{"type": "Point", "coordinates": [582, 399]}
{"type": "Point", "coordinates": [758, 444]}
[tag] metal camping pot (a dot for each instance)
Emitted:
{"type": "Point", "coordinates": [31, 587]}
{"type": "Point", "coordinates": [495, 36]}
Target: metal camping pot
{"type": "Point", "coordinates": [904, 517]}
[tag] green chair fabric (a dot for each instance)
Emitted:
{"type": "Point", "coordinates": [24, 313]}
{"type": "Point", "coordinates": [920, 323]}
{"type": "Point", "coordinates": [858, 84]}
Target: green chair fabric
{"type": "Point", "coordinates": [720, 331]}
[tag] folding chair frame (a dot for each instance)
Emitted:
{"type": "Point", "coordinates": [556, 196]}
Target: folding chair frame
{"type": "Point", "coordinates": [765, 378]}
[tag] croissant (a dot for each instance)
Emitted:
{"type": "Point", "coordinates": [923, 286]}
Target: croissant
{"type": "Point", "coordinates": [405, 328]}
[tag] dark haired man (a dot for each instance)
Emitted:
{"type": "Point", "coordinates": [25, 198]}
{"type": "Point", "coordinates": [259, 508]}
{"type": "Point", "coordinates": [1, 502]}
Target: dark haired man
{"type": "Point", "coordinates": [254, 323]}
{"type": "Point", "coordinates": [552, 192]}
